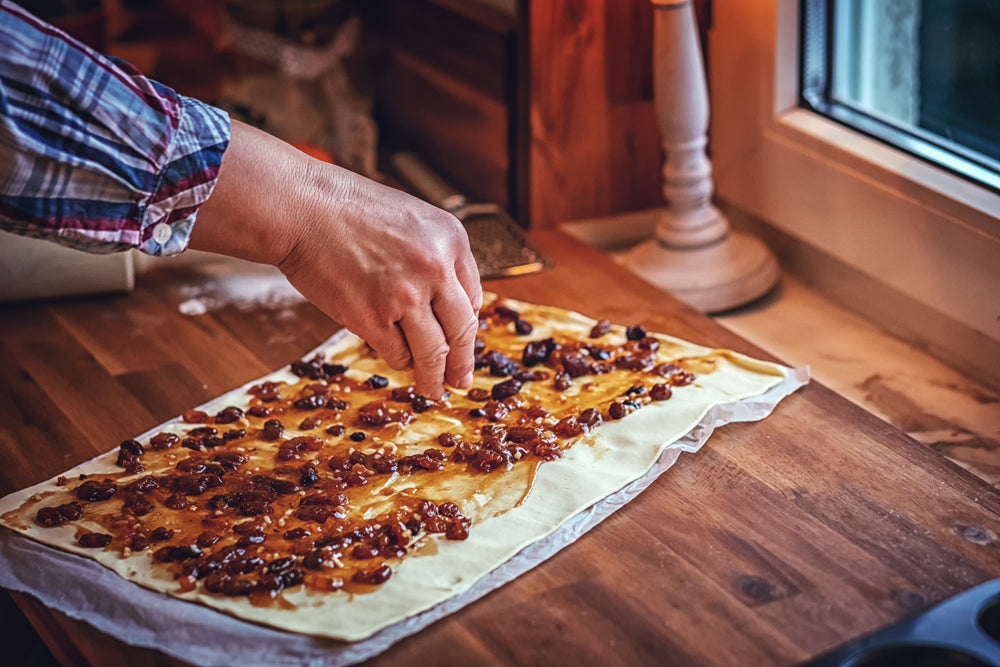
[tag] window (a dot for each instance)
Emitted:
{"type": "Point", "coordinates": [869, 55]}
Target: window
{"type": "Point", "coordinates": [910, 244]}
{"type": "Point", "coordinates": [923, 75]}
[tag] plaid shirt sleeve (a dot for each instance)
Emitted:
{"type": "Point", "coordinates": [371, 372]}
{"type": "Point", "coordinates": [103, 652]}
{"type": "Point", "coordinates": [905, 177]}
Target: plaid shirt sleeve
{"type": "Point", "coordinates": [93, 154]}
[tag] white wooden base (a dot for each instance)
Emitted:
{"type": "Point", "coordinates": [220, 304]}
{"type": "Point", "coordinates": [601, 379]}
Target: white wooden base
{"type": "Point", "coordinates": [732, 272]}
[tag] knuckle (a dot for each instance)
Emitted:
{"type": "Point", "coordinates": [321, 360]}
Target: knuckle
{"type": "Point", "coordinates": [467, 334]}
{"type": "Point", "coordinates": [435, 356]}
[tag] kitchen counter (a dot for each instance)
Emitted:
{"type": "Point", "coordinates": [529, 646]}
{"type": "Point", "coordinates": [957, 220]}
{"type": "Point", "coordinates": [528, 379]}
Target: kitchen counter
{"type": "Point", "coordinates": [778, 541]}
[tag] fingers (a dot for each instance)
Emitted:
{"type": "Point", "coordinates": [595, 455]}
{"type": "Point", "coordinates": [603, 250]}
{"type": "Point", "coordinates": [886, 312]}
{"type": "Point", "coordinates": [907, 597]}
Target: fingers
{"type": "Point", "coordinates": [458, 320]}
{"type": "Point", "coordinates": [429, 348]}
{"type": "Point", "coordinates": [390, 344]}
{"type": "Point", "coordinates": [468, 276]}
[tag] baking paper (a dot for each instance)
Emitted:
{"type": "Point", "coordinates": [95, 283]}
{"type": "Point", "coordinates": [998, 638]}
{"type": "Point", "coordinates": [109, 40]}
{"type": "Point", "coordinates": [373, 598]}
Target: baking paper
{"type": "Point", "coordinates": [85, 590]}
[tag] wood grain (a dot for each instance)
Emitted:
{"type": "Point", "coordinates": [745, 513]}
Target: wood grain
{"type": "Point", "coordinates": [444, 73]}
{"type": "Point", "coordinates": [778, 541]}
{"type": "Point", "coordinates": [594, 144]}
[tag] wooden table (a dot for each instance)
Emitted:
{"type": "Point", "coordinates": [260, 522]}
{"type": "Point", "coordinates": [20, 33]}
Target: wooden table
{"type": "Point", "coordinates": [776, 542]}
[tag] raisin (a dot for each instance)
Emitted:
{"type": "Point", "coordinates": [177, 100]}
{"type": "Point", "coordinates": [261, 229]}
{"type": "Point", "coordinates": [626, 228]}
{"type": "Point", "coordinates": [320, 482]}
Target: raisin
{"type": "Point", "coordinates": [598, 353]}
{"type": "Point", "coordinates": [131, 463]}
{"type": "Point", "coordinates": [317, 513]}
{"type": "Point", "coordinates": [93, 490]}
{"type": "Point", "coordinates": [215, 583]}
{"type": "Point", "coordinates": [202, 432]}
{"type": "Point", "coordinates": [273, 429]}
{"type": "Point", "coordinates": [229, 415]}
{"type": "Point", "coordinates": [449, 509]}
{"type": "Point", "coordinates": [568, 427]}
{"type": "Point", "coordinates": [631, 362]}
{"type": "Point", "coordinates": [312, 369]}
{"type": "Point", "coordinates": [501, 365]}
{"type": "Point", "coordinates": [297, 534]}
{"type": "Point", "coordinates": [94, 540]}
{"type": "Point", "coordinates": [176, 501]}
{"type": "Point", "coordinates": [495, 410]}
{"type": "Point", "coordinates": [522, 433]}
{"type": "Point", "coordinates": [505, 314]}
{"type": "Point", "coordinates": [311, 402]}
{"type": "Point", "coordinates": [260, 411]}
{"type": "Point", "coordinates": [364, 552]}
{"type": "Point", "coordinates": [131, 447]}
{"type": "Point", "coordinates": [309, 475]}
{"type": "Point", "coordinates": [161, 534]}
{"type": "Point", "coordinates": [601, 328]}
{"type": "Point", "coordinates": [635, 332]}
{"type": "Point", "coordinates": [402, 394]}
{"type": "Point", "coordinates": [334, 369]}
{"type": "Point", "coordinates": [648, 344]}
{"type": "Point", "coordinates": [173, 554]}
{"type": "Point", "coordinates": [195, 417]}
{"type": "Point", "coordinates": [477, 412]}
{"type": "Point", "coordinates": [56, 516]}
{"type": "Point", "coordinates": [376, 382]}
{"type": "Point", "coordinates": [358, 436]}
{"type": "Point", "coordinates": [590, 417]}
{"type": "Point", "coordinates": [334, 403]}
{"type": "Point", "coordinates": [661, 392]}
{"type": "Point", "coordinates": [138, 542]}
{"type": "Point", "coordinates": [293, 577]}
{"type": "Point", "coordinates": [477, 394]}
{"type": "Point", "coordinates": [532, 376]}
{"type": "Point", "coordinates": [575, 365]}
{"type": "Point", "coordinates": [336, 430]}
{"type": "Point", "coordinates": [206, 539]}
{"type": "Point", "coordinates": [562, 381]}
{"type": "Point", "coordinates": [617, 410]}
{"type": "Point", "coordinates": [478, 346]}
{"type": "Point", "coordinates": [234, 434]}
{"type": "Point", "coordinates": [244, 565]}
{"type": "Point", "coordinates": [142, 485]}
{"type": "Point", "coordinates": [250, 540]}
{"type": "Point", "coordinates": [163, 441]}
{"type": "Point", "coordinates": [422, 403]}
{"type": "Point", "coordinates": [682, 378]}
{"type": "Point", "coordinates": [523, 326]}
{"type": "Point", "coordinates": [266, 391]}
{"type": "Point", "coordinates": [137, 505]}
{"type": "Point", "coordinates": [538, 352]}
{"type": "Point", "coordinates": [374, 576]}
{"type": "Point", "coordinates": [457, 530]}
{"type": "Point", "coordinates": [447, 440]}
{"type": "Point", "coordinates": [237, 587]}
{"type": "Point", "coordinates": [193, 463]}
{"type": "Point", "coordinates": [213, 441]}
{"type": "Point", "coordinates": [505, 389]}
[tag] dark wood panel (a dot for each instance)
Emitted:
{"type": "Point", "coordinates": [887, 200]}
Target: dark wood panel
{"type": "Point", "coordinates": [594, 145]}
{"type": "Point", "coordinates": [462, 133]}
{"type": "Point", "coordinates": [778, 541]}
{"type": "Point", "coordinates": [446, 88]}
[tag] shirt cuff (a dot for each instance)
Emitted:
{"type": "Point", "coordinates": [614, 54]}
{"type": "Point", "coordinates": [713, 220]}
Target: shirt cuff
{"type": "Point", "coordinates": [189, 175]}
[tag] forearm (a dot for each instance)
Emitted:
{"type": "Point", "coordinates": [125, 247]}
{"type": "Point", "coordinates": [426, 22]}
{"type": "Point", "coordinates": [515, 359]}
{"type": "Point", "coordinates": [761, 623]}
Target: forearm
{"type": "Point", "coordinates": [257, 207]}
{"type": "Point", "coordinates": [93, 154]}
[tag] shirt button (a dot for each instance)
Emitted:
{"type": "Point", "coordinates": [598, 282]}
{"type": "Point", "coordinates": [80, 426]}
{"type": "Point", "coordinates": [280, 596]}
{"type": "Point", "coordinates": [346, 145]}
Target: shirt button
{"type": "Point", "coordinates": [162, 233]}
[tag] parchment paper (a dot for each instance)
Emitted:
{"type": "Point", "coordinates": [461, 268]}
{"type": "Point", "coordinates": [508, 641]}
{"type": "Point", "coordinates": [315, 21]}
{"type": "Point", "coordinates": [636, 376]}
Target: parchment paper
{"type": "Point", "coordinates": [85, 590]}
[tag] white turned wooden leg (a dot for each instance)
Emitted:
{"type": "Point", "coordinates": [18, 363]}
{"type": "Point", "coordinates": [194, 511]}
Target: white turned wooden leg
{"type": "Point", "coordinates": [694, 254]}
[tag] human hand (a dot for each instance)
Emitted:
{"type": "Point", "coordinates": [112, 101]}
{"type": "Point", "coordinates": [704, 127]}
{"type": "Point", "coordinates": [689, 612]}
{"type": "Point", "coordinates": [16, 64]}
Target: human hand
{"type": "Point", "coordinates": [391, 268]}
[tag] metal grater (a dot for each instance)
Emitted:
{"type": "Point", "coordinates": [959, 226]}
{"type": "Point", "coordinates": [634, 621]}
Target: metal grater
{"type": "Point", "coordinates": [498, 244]}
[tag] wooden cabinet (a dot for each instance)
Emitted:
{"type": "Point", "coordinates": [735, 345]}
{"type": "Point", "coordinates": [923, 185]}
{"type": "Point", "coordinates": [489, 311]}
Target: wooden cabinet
{"type": "Point", "coordinates": [546, 108]}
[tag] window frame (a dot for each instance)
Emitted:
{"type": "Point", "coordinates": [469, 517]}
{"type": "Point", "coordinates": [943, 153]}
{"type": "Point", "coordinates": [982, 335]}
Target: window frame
{"type": "Point", "coordinates": [928, 238]}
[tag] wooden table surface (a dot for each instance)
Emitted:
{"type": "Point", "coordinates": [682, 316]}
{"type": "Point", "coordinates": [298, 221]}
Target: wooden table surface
{"type": "Point", "coordinates": [778, 541]}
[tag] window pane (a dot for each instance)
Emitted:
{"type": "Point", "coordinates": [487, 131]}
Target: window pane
{"type": "Point", "coordinates": [922, 74]}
